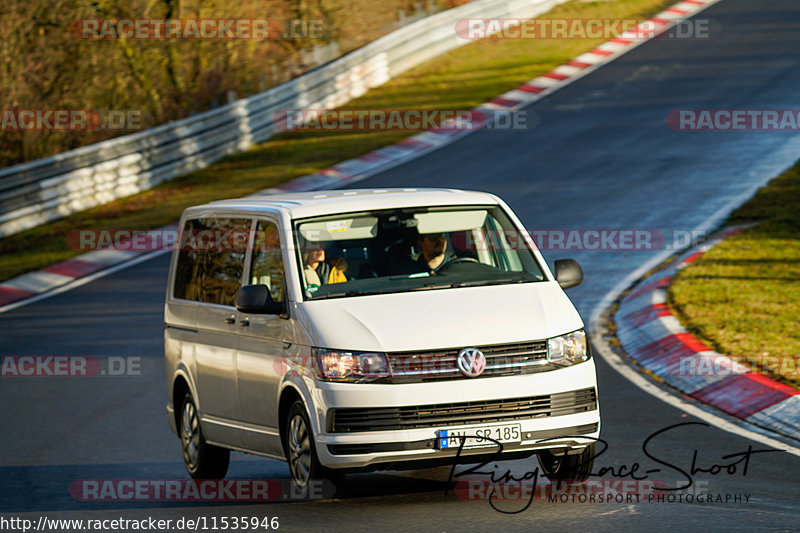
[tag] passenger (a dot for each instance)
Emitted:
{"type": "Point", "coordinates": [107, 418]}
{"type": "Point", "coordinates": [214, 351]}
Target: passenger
{"type": "Point", "coordinates": [313, 258]}
{"type": "Point", "coordinates": [319, 272]}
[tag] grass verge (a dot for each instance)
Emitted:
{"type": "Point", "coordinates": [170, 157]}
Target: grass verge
{"type": "Point", "coordinates": [743, 297]}
{"type": "Point", "coordinates": [460, 79]}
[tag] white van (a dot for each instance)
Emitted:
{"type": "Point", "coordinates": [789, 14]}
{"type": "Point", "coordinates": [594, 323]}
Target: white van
{"type": "Point", "coordinates": [352, 330]}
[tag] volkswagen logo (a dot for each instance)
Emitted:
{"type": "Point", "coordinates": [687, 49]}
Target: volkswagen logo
{"type": "Point", "coordinates": [471, 362]}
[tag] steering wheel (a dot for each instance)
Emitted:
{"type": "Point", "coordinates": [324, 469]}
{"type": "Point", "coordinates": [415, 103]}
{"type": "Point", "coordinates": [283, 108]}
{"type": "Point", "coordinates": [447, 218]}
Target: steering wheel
{"type": "Point", "coordinates": [463, 260]}
{"type": "Point", "coordinates": [447, 265]}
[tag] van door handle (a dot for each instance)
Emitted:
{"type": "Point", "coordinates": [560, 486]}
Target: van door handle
{"type": "Point", "coordinates": [231, 320]}
{"type": "Point", "coordinates": [244, 322]}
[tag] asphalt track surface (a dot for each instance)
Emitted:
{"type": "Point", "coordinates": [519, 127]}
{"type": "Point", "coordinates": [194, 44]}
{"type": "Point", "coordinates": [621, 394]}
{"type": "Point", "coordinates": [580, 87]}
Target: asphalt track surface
{"type": "Point", "coordinates": [602, 157]}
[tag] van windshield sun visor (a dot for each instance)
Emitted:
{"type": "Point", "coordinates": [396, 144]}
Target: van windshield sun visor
{"type": "Point", "coordinates": [341, 229]}
{"type": "Point", "coordinates": [449, 221]}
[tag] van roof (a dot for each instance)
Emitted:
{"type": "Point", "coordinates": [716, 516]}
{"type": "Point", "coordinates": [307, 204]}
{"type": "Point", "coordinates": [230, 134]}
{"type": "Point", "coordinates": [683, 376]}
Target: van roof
{"type": "Point", "coordinates": [305, 204]}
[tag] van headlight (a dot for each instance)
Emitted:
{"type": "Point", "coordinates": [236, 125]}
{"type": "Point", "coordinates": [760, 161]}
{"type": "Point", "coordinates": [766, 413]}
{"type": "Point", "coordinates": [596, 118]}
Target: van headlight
{"type": "Point", "coordinates": [570, 348]}
{"type": "Point", "coordinates": [339, 365]}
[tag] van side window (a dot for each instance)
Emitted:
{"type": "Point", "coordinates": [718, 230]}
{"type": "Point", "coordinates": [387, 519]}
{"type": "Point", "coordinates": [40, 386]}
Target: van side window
{"type": "Point", "coordinates": [210, 265]}
{"type": "Point", "coordinates": [267, 267]}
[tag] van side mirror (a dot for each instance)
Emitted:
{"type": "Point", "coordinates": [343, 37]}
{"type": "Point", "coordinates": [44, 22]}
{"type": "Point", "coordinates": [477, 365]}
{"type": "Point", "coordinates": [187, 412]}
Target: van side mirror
{"type": "Point", "coordinates": [568, 273]}
{"type": "Point", "coordinates": [256, 300]}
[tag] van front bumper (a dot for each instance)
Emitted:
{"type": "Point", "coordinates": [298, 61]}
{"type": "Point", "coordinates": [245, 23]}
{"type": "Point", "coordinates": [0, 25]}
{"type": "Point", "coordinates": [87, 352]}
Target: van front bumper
{"type": "Point", "coordinates": [407, 433]}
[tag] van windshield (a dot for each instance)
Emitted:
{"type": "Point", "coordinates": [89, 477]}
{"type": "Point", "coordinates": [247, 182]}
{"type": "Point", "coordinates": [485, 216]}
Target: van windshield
{"type": "Point", "coordinates": [411, 249]}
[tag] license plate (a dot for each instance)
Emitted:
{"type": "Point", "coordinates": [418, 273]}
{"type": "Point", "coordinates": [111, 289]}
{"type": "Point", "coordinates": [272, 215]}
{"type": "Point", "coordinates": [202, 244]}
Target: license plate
{"type": "Point", "coordinates": [478, 437]}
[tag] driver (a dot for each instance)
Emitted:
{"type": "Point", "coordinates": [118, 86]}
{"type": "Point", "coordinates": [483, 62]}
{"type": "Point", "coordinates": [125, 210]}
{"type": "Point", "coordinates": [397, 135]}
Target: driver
{"type": "Point", "coordinates": [434, 252]}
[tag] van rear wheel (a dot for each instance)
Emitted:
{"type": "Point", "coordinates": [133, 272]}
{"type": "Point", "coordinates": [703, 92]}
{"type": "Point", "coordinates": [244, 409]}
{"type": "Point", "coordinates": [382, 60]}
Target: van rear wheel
{"type": "Point", "coordinates": [202, 460]}
{"type": "Point", "coordinates": [576, 467]}
{"type": "Point", "coordinates": [301, 452]}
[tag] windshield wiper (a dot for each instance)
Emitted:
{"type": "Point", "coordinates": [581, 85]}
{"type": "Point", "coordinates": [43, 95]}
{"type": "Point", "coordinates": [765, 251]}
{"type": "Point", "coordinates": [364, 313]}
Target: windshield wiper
{"type": "Point", "coordinates": [341, 294]}
{"type": "Point", "coordinates": [352, 293]}
{"type": "Point", "coordinates": [429, 286]}
{"type": "Point", "coordinates": [480, 283]}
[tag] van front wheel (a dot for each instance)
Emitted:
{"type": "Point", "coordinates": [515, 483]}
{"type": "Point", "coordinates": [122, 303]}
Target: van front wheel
{"type": "Point", "coordinates": [301, 453]}
{"type": "Point", "coordinates": [568, 467]}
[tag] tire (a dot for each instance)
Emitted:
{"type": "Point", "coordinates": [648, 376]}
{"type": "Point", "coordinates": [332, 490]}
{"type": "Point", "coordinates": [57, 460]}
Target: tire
{"type": "Point", "coordinates": [202, 460]}
{"type": "Point", "coordinates": [568, 467]}
{"type": "Point", "coordinates": [301, 452]}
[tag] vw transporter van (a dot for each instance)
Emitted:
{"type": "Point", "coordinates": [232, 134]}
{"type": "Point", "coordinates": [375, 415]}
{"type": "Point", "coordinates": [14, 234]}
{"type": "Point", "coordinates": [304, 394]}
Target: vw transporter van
{"type": "Point", "coordinates": [353, 330]}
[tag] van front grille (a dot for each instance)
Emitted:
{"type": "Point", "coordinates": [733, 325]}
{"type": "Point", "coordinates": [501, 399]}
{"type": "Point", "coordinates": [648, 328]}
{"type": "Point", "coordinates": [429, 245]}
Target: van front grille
{"type": "Point", "coordinates": [440, 365]}
{"type": "Point", "coordinates": [452, 414]}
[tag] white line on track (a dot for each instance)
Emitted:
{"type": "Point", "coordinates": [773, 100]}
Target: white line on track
{"type": "Point", "coordinates": [740, 428]}
{"type": "Point", "coordinates": [84, 280]}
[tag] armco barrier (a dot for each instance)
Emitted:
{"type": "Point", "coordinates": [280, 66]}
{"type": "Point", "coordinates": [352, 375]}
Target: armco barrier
{"type": "Point", "coordinates": [59, 276]}
{"type": "Point", "coordinates": [46, 189]}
